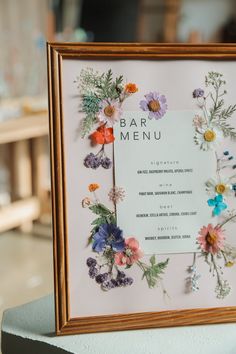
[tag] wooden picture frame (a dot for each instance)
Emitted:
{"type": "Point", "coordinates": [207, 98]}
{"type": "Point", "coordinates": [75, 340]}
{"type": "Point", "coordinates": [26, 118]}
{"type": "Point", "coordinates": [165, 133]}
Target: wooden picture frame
{"type": "Point", "coordinates": [58, 53]}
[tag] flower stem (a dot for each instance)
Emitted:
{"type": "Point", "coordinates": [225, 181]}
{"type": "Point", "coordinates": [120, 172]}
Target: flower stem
{"type": "Point", "coordinates": [96, 198]}
{"type": "Point", "coordinates": [165, 293]}
{"type": "Point", "coordinates": [233, 176]}
{"type": "Point", "coordinates": [216, 270]}
{"type": "Point", "coordinates": [142, 265]}
{"type": "Point", "coordinates": [218, 168]}
{"type": "Point", "coordinates": [226, 221]}
{"type": "Point", "coordinates": [224, 256]}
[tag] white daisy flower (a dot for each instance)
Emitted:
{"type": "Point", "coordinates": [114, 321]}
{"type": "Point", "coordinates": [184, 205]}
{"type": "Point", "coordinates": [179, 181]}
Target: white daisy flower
{"type": "Point", "coordinates": [208, 137]}
{"type": "Point", "coordinates": [110, 112]}
{"type": "Point", "coordinates": [221, 186]}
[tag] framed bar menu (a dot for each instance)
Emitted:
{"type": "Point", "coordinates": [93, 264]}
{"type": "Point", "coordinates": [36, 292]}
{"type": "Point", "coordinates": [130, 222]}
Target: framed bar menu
{"type": "Point", "coordinates": [143, 184]}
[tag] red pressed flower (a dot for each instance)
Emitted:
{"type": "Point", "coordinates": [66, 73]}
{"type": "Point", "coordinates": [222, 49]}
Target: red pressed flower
{"type": "Point", "coordinates": [102, 136]}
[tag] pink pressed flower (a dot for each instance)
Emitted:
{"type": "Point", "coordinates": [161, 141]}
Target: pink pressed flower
{"type": "Point", "coordinates": [211, 239]}
{"type": "Point", "coordinates": [198, 121]}
{"type": "Point", "coordinates": [131, 254]}
{"type": "Point", "coordinates": [116, 194]}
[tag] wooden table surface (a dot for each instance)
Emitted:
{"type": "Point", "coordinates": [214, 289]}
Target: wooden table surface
{"type": "Point", "coordinates": [27, 127]}
{"type": "Point", "coordinates": [25, 140]}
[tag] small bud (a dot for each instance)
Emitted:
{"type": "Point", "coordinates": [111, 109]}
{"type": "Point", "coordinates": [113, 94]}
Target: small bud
{"type": "Point", "coordinates": [86, 202]}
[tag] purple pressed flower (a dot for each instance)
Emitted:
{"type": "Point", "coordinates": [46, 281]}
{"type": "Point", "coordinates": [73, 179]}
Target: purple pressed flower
{"type": "Point", "coordinates": [128, 281]}
{"type": "Point", "coordinates": [198, 93]}
{"type": "Point", "coordinates": [107, 285]}
{"type": "Point", "coordinates": [91, 262]}
{"type": "Point", "coordinates": [95, 163]}
{"type": "Point", "coordinates": [100, 278]}
{"type": "Point", "coordinates": [114, 283]}
{"type": "Point", "coordinates": [108, 235]}
{"type": "Point", "coordinates": [155, 104]}
{"type": "Point", "coordinates": [120, 274]}
{"type": "Point", "coordinates": [93, 272]}
{"type": "Point", "coordinates": [106, 162]}
{"type": "Point", "coordinates": [88, 159]}
{"type": "Point", "coordinates": [120, 282]}
{"type": "Point", "coordinates": [92, 161]}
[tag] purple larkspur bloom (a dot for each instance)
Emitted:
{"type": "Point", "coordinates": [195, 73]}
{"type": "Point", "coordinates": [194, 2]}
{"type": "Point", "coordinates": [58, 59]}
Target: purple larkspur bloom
{"type": "Point", "coordinates": [120, 274]}
{"type": "Point", "coordinates": [128, 281]}
{"type": "Point", "coordinates": [100, 278]}
{"type": "Point", "coordinates": [92, 161]}
{"type": "Point", "coordinates": [93, 271]}
{"type": "Point", "coordinates": [107, 285]}
{"type": "Point", "coordinates": [91, 262]}
{"type": "Point", "coordinates": [155, 104]}
{"type": "Point", "coordinates": [198, 93]}
{"type": "Point", "coordinates": [114, 283]}
{"type": "Point", "coordinates": [106, 162]}
{"type": "Point", "coordinates": [108, 235]}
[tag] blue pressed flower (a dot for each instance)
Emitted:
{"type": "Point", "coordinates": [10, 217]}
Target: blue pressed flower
{"type": "Point", "coordinates": [226, 153]}
{"type": "Point", "coordinates": [230, 158]}
{"type": "Point", "coordinates": [218, 204]}
{"type": "Point", "coordinates": [108, 235]}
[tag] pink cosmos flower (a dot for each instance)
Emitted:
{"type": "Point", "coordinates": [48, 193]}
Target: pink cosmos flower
{"type": "Point", "coordinates": [211, 239]}
{"type": "Point", "coordinates": [110, 112]}
{"type": "Point", "coordinates": [131, 254]}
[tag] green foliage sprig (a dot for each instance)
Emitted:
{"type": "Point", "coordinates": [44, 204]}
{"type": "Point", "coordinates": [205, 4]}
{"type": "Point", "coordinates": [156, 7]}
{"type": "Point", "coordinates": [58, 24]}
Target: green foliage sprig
{"type": "Point", "coordinates": [152, 273]}
{"type": "Point", "coordinates": [94, 88]}
{"type": "Point", "coordinates": [105, 216]}
{"type": "Point", "coordinates": [218, 114]}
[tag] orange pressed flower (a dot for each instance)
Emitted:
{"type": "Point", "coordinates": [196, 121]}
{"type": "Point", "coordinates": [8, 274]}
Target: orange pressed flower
{"type": "Point", "coordinates": [102, 136]}
{"type": "Point", "coordinates": [131, 88]}
{"type": "Point", "coordinates": [93, 186]}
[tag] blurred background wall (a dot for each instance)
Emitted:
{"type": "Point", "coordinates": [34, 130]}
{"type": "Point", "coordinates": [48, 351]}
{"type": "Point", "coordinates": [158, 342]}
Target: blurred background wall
{"type": "Point", "coordinates": [25, 26]}
{"type": "Point", "coordinates": [23, 29]}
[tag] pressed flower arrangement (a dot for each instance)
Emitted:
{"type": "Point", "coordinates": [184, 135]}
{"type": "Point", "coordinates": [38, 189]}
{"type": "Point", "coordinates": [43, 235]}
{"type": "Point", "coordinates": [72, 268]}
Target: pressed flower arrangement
{"type": "Point", "coordinates": [211, 127]}
{"type": "Point", "coordinates": [113, 253]}
{"type": "Point", "coordinates": [102, 100]}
